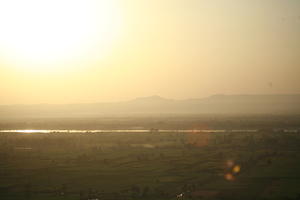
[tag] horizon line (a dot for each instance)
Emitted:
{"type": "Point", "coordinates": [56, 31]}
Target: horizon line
{"type": "Point", "coordinates": [156, 96]}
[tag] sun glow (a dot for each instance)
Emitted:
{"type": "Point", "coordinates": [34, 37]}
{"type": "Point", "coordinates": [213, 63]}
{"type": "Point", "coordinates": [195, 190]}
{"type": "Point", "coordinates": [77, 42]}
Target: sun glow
{"type": "Point", "coordinates": [51, 32]}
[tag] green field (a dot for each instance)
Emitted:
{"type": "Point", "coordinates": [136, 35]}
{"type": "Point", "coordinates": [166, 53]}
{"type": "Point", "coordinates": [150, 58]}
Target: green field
{"type": "Point", "coordinates": [53, 166]}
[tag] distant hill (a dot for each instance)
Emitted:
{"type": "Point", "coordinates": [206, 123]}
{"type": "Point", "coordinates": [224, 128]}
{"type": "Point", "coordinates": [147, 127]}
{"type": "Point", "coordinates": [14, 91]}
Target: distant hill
{"type": "Point", "coordinates": [155, 105]}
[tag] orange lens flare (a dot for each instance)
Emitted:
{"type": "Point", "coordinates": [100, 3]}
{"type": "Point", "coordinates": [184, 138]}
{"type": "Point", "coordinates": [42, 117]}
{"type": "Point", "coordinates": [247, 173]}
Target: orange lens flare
{"type": "Point", "coordinates": [229, 177]}
{"type": "Point", "coordinates": [236, 169]}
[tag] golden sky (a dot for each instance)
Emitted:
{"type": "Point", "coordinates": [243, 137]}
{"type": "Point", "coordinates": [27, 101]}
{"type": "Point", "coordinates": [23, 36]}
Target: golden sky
{"type": "Point", "coordinates": [75, 51]}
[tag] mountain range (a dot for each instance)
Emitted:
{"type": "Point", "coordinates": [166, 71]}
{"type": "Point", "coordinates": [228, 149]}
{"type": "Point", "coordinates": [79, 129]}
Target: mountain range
{"type": "Point", "coordinates": [156, 105]}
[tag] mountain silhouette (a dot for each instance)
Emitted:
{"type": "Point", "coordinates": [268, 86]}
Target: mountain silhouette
{"type": "Point", "coordinates": [216, 104]}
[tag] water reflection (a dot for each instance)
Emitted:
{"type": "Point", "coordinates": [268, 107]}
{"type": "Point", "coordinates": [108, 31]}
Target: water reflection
{"type": "Point", "coordinates": [129, 131]}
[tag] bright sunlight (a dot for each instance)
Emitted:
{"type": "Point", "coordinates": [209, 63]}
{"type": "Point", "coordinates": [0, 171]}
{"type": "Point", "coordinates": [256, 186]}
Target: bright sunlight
{"type": "Point", "coordinates": [39, 33]}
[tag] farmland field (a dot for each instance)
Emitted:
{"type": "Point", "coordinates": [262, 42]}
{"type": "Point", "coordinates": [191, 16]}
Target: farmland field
{"type": "Point", "coordinates": [234, 164]}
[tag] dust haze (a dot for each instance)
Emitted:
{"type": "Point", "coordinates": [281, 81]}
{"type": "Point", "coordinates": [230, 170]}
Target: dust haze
{"type": "Point", "coordinates": [149, 100]}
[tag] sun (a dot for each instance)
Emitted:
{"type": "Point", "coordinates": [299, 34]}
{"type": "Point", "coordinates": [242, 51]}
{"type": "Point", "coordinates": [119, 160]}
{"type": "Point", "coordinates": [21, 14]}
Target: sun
{"type": "Point", "coordinates": [48, 32]}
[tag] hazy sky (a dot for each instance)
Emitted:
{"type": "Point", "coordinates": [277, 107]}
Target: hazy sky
{"type": "Point", "coordinates": [129, 48]}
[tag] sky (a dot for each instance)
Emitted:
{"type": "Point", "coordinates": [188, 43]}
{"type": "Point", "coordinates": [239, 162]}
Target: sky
{"type": "Point", "coordinates": [85, 51]}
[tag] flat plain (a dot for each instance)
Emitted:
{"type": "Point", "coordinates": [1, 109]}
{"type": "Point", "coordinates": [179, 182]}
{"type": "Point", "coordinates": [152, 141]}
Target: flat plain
{"type": "Point", "coordinates": [234, 164]}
